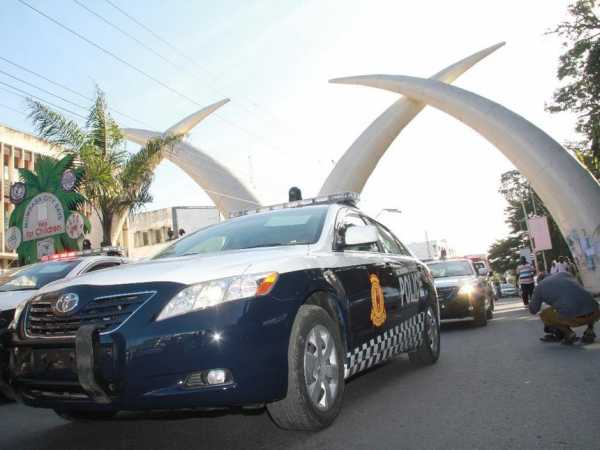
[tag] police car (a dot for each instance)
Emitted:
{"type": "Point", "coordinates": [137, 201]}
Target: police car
{"type": "Point", "coordinates": [277, 307]}
{"type": "Point", "coordinates": [24, 282]}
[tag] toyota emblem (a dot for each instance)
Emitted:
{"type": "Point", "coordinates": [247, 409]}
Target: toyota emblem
{"type": "Point", "coordinates": [66, 303]}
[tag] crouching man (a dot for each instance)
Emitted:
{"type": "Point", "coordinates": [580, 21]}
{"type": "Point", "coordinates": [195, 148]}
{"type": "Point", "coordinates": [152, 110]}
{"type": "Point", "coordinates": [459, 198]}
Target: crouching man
{"type": "Point", "coordinates": [570, 305]}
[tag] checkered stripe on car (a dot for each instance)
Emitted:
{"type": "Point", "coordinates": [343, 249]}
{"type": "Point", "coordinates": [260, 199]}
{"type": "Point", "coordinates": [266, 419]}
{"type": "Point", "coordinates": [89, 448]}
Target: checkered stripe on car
{"type": "Point", "coordinates": [401, 338]}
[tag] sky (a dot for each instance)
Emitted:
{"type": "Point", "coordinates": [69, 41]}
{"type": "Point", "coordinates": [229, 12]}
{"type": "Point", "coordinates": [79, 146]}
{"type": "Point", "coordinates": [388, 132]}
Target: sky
{"type": "Point", "coordinates": [285, 124]}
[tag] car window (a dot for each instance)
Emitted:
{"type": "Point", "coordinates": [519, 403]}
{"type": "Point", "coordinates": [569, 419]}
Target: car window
{"type": "Point", "coordinates": [104, 265]}
{"type": "Point", "coordinates": [451, 269]}
{"type": "Point", "coordinates": [353, 220]}
{"type": "Point", "coordinates": [37, 275]}
{"type": "Point", "coordinates": [292, 226]}
{"type": "Point", "coordinates": [387, 241]}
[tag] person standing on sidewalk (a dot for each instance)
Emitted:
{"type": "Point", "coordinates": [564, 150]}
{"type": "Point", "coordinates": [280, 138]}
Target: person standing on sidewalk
{"type": "Point", "coordinates": [570, 305]}
{"type": "Point", "coordinates": [525, 273]}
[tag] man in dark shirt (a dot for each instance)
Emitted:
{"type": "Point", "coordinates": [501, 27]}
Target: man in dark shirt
{"type": "Point", "coordinates": [570, 305]}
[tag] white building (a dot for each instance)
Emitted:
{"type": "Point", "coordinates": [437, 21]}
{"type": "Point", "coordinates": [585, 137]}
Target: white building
{"type": "Point", "coordinates": [150, 231]}
{"type": "Point", "coordinates": [431, 249]}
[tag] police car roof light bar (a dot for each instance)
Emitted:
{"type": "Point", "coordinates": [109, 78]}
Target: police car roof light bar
{"type": "Point", "coordinates": [94, 252]}
{"type": "Point", "coordinates": [347, 198]}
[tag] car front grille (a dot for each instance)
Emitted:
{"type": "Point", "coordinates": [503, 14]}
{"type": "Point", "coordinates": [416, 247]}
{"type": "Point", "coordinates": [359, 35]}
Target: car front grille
{"type": "Point", "coordinates": [444, 293]}
{"type": "Point", "coordinates": [106, 312]}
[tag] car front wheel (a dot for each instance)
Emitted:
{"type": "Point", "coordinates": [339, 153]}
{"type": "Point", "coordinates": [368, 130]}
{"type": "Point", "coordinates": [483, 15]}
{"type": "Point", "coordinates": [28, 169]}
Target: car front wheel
{"type": "Point", "coordinates": [315, 373]}
{"type": "Point", "coordinates": [429, 351]}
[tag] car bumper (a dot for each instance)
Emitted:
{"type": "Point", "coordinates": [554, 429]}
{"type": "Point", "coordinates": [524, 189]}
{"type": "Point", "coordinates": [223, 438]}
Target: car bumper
{"type": "Point", "coordinates": [460, 307]}
{"type": "Point", "coordinates": [145, 364]}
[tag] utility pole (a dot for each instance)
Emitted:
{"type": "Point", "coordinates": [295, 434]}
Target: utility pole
{"type": "Point", "coordinates": [427, 244]}
{"type": "Point", "coordinates": [535, 214]}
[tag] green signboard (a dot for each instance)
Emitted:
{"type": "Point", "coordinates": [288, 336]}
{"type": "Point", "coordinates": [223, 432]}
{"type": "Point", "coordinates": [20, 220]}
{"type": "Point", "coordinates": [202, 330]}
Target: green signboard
{"type": "Point", "coordinates": [46, 219]}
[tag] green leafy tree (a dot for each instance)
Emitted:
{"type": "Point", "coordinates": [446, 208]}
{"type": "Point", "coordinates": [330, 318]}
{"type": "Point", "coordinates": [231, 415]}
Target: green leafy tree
{"type": "Point", "coordinates": [115, 182]}
{"type": "Point", "coordinates": [46, 178]}
{"type": "Point", "coordinates": [504, 253]}
{"type": "Point", "coordinates": [579, 71]}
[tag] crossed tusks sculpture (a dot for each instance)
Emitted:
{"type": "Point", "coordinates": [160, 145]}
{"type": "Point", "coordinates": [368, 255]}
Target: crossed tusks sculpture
{"type": "Point", "coordinates": [569, 191]}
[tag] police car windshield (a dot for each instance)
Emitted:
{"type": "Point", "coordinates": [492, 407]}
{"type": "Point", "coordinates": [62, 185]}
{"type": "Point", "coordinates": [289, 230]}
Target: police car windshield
{"type": "Point", "coordinates": [451, 269]}
{"type": "Point", "coordinates": [37, 275]}
{"type": "Point", "coordinates": [294, 226]}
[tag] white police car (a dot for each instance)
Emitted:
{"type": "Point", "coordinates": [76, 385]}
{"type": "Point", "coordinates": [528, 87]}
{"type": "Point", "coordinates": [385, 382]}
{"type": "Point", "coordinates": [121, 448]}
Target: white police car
{"type": "Point", "coordinates": [276, 307]}
{"type": "Point", "coordinates": [24, 282]}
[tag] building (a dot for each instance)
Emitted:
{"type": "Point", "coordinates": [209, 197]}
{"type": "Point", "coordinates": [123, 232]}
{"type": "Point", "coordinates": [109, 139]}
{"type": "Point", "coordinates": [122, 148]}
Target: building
{"type": "Point", "coordinates": [18, 150]}
{"type": "Point", "coordinates": [151, 231]}
{"type": "Point", "coordinates": [431, 249]}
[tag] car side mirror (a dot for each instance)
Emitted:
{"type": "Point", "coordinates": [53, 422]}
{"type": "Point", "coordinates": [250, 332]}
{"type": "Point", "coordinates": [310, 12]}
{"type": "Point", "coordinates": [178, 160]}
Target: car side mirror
{"type": "Point", "coordinates": [483, 272]}
{"type": "Point", "coordinates": [361, 234]}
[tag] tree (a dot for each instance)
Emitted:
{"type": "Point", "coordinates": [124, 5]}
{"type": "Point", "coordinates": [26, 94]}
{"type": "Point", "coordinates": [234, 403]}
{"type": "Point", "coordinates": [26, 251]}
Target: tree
{"type": "Point", "coordinates": [579, 69]}
{"type": "Point", "coordinates": [115, 181]}
{"type": "Point", "coordinates": [505, 252]}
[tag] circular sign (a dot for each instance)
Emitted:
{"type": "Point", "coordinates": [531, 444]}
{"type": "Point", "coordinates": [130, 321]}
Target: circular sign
{"type": "Point", "coordinates": [17, 192]}
{"type": "Point", "coordinates": [75, 225]}
{"type": "Point", "coordinates": [68, 180]}
{"type": "Point", "coordinates": [13, 238]}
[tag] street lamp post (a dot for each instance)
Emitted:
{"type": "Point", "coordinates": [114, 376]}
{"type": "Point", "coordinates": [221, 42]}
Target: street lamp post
{"type": "Point", "coordinates": [389, 210]}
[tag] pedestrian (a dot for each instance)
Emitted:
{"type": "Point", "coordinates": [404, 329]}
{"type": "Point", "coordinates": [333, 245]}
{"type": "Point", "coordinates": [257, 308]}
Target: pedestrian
{"type": "Point", "coordinates": [181, 232]}
{"type": "Point", "coordinates": [570, 305]}
{"type": "Point", "coordinates": [525, 274]}
{"type": "Point", "coordinates": [561, 266]}
{"type": "Point", "coordinates": [553, 268]}
{"type": "Point", "coordinates": [170, 234]}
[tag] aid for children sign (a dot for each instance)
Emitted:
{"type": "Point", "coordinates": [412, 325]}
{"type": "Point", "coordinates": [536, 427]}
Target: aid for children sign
{"type": "Point", "coordinates": [44, 216]}
{"type": "Point", "coordinates": [46, 219]}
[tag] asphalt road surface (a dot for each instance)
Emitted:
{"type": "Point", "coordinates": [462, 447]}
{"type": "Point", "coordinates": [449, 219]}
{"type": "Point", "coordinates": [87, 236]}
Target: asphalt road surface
{"type": "Point", "coordinates": [494, 387]}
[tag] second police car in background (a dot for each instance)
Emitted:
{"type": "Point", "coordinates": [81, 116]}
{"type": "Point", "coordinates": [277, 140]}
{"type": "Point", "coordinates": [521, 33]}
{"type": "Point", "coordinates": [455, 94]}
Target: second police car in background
{"type": "Point", "coordinates": [24, 282]}
{"type": "Point", "coordinates": [463, 291]}
{"type": "Point", "coordinates": [277, 307]}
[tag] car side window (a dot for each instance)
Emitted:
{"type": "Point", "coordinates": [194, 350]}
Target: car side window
{"type": "Point", "coordinates": [104, 265]}
{"type": "Point", "coordinates": [387, 241]}
{"type": "Point", "coordinates": [353, 220]}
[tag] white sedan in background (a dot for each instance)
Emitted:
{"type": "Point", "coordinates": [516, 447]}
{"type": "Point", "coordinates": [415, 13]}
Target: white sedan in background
{"type": "Point", "coordinates": [25, 282]}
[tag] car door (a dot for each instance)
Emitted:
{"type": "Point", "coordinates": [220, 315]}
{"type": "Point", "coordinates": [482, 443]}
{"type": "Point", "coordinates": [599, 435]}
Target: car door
{"type": "Point", "coordinates": [404, 270]}
{"type": "Point", "coordinates": [364, 276]}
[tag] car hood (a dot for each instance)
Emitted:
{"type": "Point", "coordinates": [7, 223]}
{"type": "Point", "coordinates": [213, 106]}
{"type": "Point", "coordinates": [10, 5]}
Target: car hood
{"type": "Point", "coordinates": [10, 299]}
{"type": "Point", "coordinates": [196, 268]}
{"type": "Point", "coordinates": [453, 281]}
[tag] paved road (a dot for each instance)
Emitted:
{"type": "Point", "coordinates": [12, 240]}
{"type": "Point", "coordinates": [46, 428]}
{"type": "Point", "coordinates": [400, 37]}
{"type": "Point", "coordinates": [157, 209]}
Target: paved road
{"type": "Point", "coordinates": [494, 387]}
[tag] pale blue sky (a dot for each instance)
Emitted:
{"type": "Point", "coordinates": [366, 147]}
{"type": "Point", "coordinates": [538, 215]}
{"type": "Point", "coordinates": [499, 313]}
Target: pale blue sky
{"type": "Point", "coordinates": [285, 124]}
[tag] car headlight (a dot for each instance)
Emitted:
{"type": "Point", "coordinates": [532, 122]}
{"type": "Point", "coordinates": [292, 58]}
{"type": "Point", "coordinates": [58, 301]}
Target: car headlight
{"type": "Point", "coordinates": [467, 289]}
{"type": "Point", "coordinates": [215, 292]}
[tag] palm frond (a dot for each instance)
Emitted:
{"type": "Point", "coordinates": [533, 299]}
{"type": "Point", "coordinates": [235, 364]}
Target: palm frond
{"type": "Point", "coordinates": [103, 131]}
{"type": "Point", "coordinates": [54, 127]}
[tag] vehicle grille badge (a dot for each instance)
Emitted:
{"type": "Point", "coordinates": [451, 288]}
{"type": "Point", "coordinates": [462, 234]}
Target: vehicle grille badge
{"type": "Point", "coordinates": [66, 303]}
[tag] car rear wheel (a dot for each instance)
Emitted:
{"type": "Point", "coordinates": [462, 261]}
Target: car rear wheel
{"type": "Point", "coordinates": [429, 351]}
{"type": "Point", "coordinates": [315, 373]}
{"type": "Point", "coordinates": [85, 416]}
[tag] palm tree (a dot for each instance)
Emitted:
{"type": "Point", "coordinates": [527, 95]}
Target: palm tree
{"type": "Point", "coordinates": [115, 182]}
{"type": "Point", "coordinates": [47, 179]}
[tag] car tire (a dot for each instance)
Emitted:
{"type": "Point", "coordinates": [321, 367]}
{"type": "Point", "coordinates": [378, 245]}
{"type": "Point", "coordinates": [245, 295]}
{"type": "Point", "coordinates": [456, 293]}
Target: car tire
{"type": "Point", "coordinates": [85, 416]}
{"type": "Point", "coordinates": [300, 410]}
{"type": "Point", "coordinates": [490, 311]}
{"type": "Point", "coordinates": [481, 316]}
{"type": "Point", "coordinates": [429, 351]}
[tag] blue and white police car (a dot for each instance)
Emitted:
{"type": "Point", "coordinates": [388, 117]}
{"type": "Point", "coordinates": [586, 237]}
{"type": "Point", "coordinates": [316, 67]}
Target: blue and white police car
{"type": "Point", "coordinates": [276, 307]}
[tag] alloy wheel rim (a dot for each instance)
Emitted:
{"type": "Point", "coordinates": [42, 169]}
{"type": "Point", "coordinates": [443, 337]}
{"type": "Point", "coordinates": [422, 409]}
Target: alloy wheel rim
{"type": "Point", "coordinates": [432, 331]}
{"type": "Point", "coordinates": [321, 370]}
